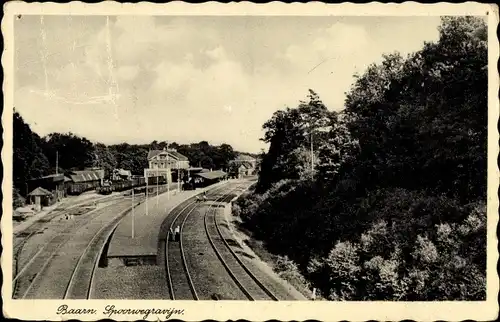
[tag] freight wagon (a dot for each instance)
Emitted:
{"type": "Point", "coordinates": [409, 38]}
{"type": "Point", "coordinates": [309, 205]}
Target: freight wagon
{"type": "Point", "coordinates": [137, 182]}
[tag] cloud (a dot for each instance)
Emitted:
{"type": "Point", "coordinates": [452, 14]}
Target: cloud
{"type": "Point", "coordinates": [217, 53]}
{"type": "Point", "coordinates": [127, 73]}
{"type": "Point", "coordinates": [141, 78]}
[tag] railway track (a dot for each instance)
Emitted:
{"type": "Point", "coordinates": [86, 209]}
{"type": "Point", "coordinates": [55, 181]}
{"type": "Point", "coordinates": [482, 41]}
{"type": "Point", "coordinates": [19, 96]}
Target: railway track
{"type": "Point", "coordinates": [30, 274]}
{"type": "Point", "coordinates": [173, 265]}
{"type": "Point", "coordinates": [175, 260]}
{"type": "Point", "coordinates": [36, 228]}
{"type": "Point", "coordinates": [20, 239]}
{"type": "Point", "coordinates": [81, 280]}
{"type": "Point", "coordinates": [239, 272]}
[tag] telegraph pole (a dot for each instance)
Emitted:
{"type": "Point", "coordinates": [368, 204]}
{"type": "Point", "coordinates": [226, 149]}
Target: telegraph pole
{"type": "Point", "coordinates": [57, 162]}
{"type": "Point", "coordinates": [178, 177]}
{"type": "Point", "coordinates": [169, 175]}
{"type": "Point", "coordinates": [133, 214]}
{"type": "Point", "coordinates": [147, 188]}
{"type": "Point", "coordinates": [157, 193]}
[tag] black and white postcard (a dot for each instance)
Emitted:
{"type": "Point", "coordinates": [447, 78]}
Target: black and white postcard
{"type": "Point", "coordinates": [250, 161]}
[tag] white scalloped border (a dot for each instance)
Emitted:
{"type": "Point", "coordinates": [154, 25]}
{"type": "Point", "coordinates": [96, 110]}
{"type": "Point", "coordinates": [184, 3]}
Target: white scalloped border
{"type": "Point", "coordinates": [222, 310]}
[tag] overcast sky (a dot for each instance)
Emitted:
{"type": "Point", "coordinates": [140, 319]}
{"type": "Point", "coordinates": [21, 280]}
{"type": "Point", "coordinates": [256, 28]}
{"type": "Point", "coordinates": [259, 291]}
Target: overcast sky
{"type": "Point", "coordinates": [186, 79]}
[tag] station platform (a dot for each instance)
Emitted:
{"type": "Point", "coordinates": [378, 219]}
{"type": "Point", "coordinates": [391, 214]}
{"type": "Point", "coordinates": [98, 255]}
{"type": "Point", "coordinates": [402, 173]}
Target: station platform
{"type": "Point", "coordinates": [144, 244]}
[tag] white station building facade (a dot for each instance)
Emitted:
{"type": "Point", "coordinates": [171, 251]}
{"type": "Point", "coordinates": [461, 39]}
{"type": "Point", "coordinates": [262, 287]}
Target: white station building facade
{"type": "Point", "coordinates": [163, 162]}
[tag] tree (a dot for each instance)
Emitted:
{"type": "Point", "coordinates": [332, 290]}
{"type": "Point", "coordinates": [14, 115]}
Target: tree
{"type": "Point", "coordinates": [104, 158]}
{"type": "Point", "coordinates": [72, 151]}
{"type": "Point", "coordinates": [289, 132]}
{"type": "Point", "coordinates": [394, 210]}
{"type": "Point", "coordinates": [29, 161]}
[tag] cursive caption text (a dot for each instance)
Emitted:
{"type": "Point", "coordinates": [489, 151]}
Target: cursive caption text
{"type": "Point", "coordinates": [110, 311]}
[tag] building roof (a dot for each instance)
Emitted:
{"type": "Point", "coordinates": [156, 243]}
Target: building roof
{"type": "Point", "coordinates": [171, 153]}
{"type": "Point", "coordinates": [123, 172]}
{"type": "Point", "coordinates": [50, 177]}
{"type": "Point", "coordinates": [83, 176]}
{"type": "Point", "coordinates": [40, 192]}
{"type": "Point", "coordinates": [212, 175]}
{"type": "Point", "coordinates": [246, 165]}
{"type": "Point", "coordinates": [245, 157]}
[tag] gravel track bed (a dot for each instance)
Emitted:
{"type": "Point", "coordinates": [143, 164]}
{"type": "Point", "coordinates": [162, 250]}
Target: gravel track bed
{"type": "Point", "coordinates": [210, 278]}
{"type": "Point", "coordinates": [180, 282]}
{"type": "Point", "coordinates": [79, 287]}
{"type": "Point", "coordinates": [43, 230]}
{"type": "Point", "coordinates": [253, 289]}
{"type": "Point", "coordinates": [119, 282]}
{"type": "Point", "coordinates": [281, 288]}
{"type": "Point", "coordinates": [178, 276]}
{"type": "Point", "coordinates": [56, 231]}
{"type": "Point", "coordinates": [54, 278]}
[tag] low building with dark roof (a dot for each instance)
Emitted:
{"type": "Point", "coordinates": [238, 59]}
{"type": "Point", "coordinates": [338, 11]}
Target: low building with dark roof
{"type": "Point", "coordinates": [53, 183]}
{"type": "Point", "coordinates": [210, 177]}
{"type": "Point", "coordinates": [83, 180]}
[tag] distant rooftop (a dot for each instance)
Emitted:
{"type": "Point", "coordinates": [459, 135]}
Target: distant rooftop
{"type": "Point", "coordinates": [50, 177]}
{"type": "Point", "coordinates": [171, 153]}
{"type": "Point", "coordinates": [245, 157]}
{"type": "Point", "coordinates": [211, 175]}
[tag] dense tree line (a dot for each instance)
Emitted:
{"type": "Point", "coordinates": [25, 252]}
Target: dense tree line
{"type": "Point", "coordinates": [35, 156]}
{"type": "Point", "coordinates": [391, 202]}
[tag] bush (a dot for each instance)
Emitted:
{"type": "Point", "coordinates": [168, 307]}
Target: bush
{"type": "Point", "coordinates": [17, 199]}
{"type": "Point", "coordinates": [440, 266]}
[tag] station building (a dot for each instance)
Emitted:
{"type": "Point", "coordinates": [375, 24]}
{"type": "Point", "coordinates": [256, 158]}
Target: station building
{"type": "Point", "coordinates": [164, 162]}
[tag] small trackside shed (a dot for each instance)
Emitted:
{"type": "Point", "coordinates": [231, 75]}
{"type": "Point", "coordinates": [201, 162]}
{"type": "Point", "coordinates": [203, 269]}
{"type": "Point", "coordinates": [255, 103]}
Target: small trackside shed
{"type": "Point", "coordinates": [40, 197]}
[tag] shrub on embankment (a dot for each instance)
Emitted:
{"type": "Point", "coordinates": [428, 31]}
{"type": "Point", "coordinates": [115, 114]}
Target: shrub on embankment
{"type": "Point", "coordinates": [395, 206]}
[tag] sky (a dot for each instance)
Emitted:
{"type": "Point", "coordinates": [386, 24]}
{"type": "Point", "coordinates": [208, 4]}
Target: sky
{"type": "Point", "coordinates": [136, 79]}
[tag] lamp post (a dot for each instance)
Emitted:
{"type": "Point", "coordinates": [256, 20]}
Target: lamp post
{"type": "Point", "coordinates": [157, 194]}
{"type": "Point", "coordinates": [147, 188]}
{"type": "Point", "coordinates": [133, 214]}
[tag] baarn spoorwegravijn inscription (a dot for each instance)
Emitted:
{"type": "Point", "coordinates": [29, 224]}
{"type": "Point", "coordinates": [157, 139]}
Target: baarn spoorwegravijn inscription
{"type": "Point", "coordinates": [111, 311]}
{"type": "Point", "coordinates": [243, 161]}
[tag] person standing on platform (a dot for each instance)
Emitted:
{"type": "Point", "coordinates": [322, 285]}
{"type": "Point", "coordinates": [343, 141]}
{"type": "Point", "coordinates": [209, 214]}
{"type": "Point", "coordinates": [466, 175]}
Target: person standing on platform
{"type": "Point", "coordinates": [177, 233]}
